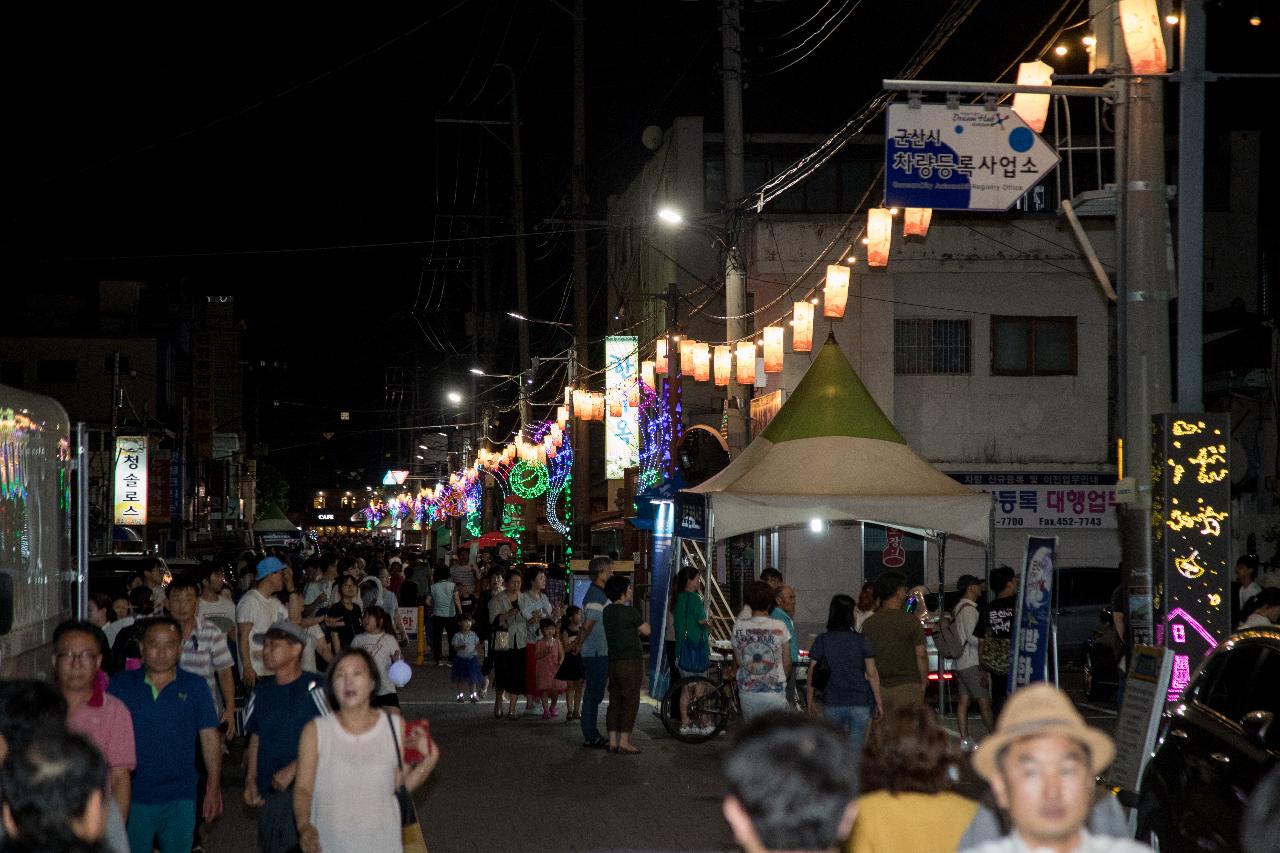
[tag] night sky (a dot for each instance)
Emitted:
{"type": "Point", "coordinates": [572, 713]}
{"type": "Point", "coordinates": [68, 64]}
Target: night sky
{"type": "Point", "coordinates": [291, 156]}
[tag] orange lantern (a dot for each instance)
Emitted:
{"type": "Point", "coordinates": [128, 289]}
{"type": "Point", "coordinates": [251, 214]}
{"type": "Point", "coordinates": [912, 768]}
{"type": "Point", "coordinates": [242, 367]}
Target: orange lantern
{"type": "Point", "coordinates": [1033, 109]}
{"type": "Point", "coordinates": [562, 416]}
{"type": "Point", "coordinates": [597, 406]}
{"type": "Point", "coordinates": [772, 349]}
{"type": "Point", "coordinates": [686, 357]}
{"type": "Point", "coordinates": [723, 364]}
{"type": "Point", "coordinates": [615, 407]}
{"type": "Point", "coordinates": [646, 374]}
{"type": "Point", "coordinates": [836, 294]}
{"type": "Point", "coordinates": [633, 393]}
{"type": "Point", "coordinates": [1143, 36]}
{"type": "Point", "coordinates": [915, 221]}
{"type": "Point", "coordinates": [802, 325]}
{"type": "Point", "coordinates": [660, 359]}
{"type": "Point", "coordinates": [582, 405]}
{"type": "Point", "coordinates": [879, 235]}
{"type": "Point", "coordinates": [746, 363]}
{"type": "Point", "coordinates": [702, 362]}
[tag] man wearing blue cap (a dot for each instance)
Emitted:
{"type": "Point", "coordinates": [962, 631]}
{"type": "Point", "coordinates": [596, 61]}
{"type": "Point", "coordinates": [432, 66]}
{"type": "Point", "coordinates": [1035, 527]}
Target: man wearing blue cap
{"type": "Point", "coordinates": [257, 611]}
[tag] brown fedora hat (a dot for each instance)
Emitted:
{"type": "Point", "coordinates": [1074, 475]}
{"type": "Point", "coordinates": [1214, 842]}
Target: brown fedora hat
{"type": "Point", "coordinates": [1041, 709]}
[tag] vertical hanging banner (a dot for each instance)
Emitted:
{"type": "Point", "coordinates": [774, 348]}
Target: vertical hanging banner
{"type": "Point", "coordinates": [131, 481]}
{"type": "Point", "coordinates": [662, 563]}
{"type": "Point", "coordinates": [622, 432]}
{"type": "Point", "coordinates": [1032, 626]}
{"type": "Point", "coordinates": [1191, 539]}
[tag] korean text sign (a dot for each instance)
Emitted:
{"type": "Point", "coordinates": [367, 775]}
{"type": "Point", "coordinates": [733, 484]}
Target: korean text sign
{"type": "Point", "coordinates": [1032, 628]}
{"type": "Point", "coordinates": [1057, 499]}
{"type": "Point", "coordinates": [622, 434]}
{"type": "Point", "coordinates": [131, 481]}
{"type": "Point", "coordinates": [1191, 539]}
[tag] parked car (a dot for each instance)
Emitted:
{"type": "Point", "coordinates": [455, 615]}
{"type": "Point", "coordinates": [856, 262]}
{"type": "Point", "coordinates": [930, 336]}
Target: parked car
{"type": "Point", "coordinates": [1214, 746]}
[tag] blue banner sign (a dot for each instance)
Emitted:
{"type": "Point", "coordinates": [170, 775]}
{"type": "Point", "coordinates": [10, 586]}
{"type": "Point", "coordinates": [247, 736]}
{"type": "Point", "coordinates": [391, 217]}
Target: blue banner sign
{"type": "Point", "coordinates": [1032, 627]}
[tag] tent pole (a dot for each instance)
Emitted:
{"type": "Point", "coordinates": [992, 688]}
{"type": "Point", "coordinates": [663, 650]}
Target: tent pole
{"type": "Point", "coordinates": [942, 593]}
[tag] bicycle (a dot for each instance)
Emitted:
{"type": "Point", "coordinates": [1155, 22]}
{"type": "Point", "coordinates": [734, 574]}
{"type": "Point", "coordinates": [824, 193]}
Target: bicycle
{"type": "Point", "coordinates": [713, 699]}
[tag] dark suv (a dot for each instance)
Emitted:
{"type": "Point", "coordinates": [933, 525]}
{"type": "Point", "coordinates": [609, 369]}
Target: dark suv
{"type": "Point", "coordinates": [1214, 747]}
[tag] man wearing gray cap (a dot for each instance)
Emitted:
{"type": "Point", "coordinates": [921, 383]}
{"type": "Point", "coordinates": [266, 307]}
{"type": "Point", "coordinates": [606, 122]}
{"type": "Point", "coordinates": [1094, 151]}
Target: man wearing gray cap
{"type": "Point", "coordinates": [974, 681]}
{"type": "Point", "coordinates": [280, 707]}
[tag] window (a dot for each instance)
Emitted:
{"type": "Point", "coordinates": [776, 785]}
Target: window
{"type": "Point", "coordinates": [55, 370]}
{"type": "Point", "coordinates": [1033, 346]}
{"type": "Point", "coordinates": [931, 347]}
{"type": "Point", "coordinates": [13, 373]}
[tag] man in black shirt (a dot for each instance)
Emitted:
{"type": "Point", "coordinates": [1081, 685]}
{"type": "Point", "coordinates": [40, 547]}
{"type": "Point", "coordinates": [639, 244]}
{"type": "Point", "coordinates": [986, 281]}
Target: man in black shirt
{"type": "Point", "coordinates": [996, 630]}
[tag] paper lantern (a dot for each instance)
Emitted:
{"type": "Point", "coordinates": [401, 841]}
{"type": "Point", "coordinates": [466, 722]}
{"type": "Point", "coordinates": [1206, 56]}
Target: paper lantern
{"type": "Point", "coordinates": [568, 396]}
{"type": "Point", "coordinates": [647, 369]}
{"type": "Point", "coordinates": [836, 293]}
{"type": "Point", "coordinates": [615, 407]}
{"type": "Point", "coordinates": [1143, 36]}
{"type": "Point", "coordinates": [772, 349]}
{"type": "Point", "coordinates": [879, 235]}
{"type": "Point", "coordinates": [660, 360]}
{"type": "Point", "coordinates": [633, 394]}
{"type": "Point", "coordinates": [702, 362]}
{"type": "Point", "coordinates": [1033, 109]}
{"type": "Point", "coordinates": [582, 405]}
{"type": "Point", "coordinates": [562, 416]}
{"type": "Point", "coordinates": [723, 364]}
{"type": "Point", "coordinates": [802, 326]}
{"type": "Point", "coordinates": [746, 363]}
{"type": "Point", "coordinates": [915, 221]}
{"type": "Point", "coordinates": [541, 455]}
{"type": "Point", "coordinates": [597, 406]}
{"type": "Point", "coordinates": [686, 356]}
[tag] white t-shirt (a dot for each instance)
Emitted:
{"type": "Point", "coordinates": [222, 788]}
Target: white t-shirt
{"type": "Point", "coordinates": [224, 607]}
{"type": "Point", "coordinates": [1256, 620]}
{"type": "Point", "coordinates": [966, 616]}
{"type": "Point", "coordinates": [1013, 843]}
{"type": "Point", "coordinates": [314, 590]}
{"type": "Point", "coordinates": [760, 645]}
{"type": "Point", "coordinates": [262, 612]}
{"type": "Point", "coordinates": [113, 629]}
{"type": "Point", "coordinates": [860, 616]}
{"type": "Point", "coordinates": [315, 634]}
{"type": "Point", "coordinates": [385, 651]}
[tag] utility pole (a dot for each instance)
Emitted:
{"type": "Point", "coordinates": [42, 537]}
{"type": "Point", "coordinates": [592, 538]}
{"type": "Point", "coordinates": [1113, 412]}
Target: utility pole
{"type": "Point", "coordinates": [581, 490]}
{"type": "Point", "coordinates": [522, 270]}
{"type": "Point", "coordinates": [1191, 207]}
{"type": "Point", "coordinates": [735, 291]}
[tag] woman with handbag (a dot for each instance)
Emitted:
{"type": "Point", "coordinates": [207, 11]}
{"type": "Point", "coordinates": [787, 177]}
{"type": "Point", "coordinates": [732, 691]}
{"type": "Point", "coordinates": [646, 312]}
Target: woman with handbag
{"type": "Point", "coordinates": [693, 654]}
{"type": "Point", "coordinates": [851, 695]}
{"type": "Point", "coordinates": [510, 636]}
{"type": "Point", "coordinates": [352, 785]}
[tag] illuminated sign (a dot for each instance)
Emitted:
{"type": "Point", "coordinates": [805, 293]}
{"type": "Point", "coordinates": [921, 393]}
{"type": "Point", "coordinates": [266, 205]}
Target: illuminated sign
{"type": "Point", "coordinates": [1190, 514]}
{"type": "Point", "coordinates": [622, 432]}
{"type": "Point", "coordinates": [131, 480]}
{"type": "Point", "coordinates": [325, 516]}
{"type": "Point", "coordinates": [394, 478]}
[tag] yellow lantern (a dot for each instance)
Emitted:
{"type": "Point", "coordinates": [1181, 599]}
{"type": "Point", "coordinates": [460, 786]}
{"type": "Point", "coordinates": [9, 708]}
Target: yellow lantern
{"type": "Point", "coordinates": [836, 294]}
{"type": "Point", "coordinates": [772, 349]}
{"type": "Point", "coordinates": [702, 362]}
{"type": "Point", "coordinates": [1033, 109]}
{"type": "Point", "coordinates": [660, 359]}
{"type": "Point", "coordinates": [723, 364]}
{"type": "Point", "coordinates": [686, 356]}
{"type": "Point", "coordinates": [802, 325]}
{"type": "Point", "coordinates": [746, 363]}
{"type": "Point", "coordinates": [915, 221]}
{"type": "Point", "coordinates": [646, 374]}
{"type": "Point", "coordinates": [1143, 36]}
{"type": "Point", "coordinates": [879, 235]}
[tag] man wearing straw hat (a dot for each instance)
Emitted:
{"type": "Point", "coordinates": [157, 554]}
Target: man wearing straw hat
{"type": "Point", "coordinates": [1041, 762]}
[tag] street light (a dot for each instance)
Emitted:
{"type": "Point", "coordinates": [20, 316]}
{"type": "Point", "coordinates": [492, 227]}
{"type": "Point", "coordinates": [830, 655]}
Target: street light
{"type": "Point", "coordinates": [453, 397]}
{"type": "Point", "coordinates": [671, 216]}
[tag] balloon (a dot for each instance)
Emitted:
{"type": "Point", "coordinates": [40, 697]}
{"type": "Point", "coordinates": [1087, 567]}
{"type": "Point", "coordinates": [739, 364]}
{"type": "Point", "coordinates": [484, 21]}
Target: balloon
{"type": "Point", "coordinates": [400, 673]}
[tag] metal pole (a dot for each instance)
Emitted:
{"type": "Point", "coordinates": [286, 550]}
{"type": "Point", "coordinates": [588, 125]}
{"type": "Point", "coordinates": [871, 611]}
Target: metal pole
{"type": "Point", "coordinates": [82, 521]}
{"type": "Point", "coordinates": [1191, 207]}
{"type": "Point", "coordinates": [942, 594]}
{"type": "Point", "coordinates": [735, 290]}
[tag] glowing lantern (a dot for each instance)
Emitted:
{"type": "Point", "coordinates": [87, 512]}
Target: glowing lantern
{"type": "Point", "coordinates": [582, 405]}
{"type": "Point", "coordinates": [879, 235]}
{"type": "Point", "coordinates": [772, 349]}
{"type": "Point", "coordinates": [701, 362]}
{"type": "Point", "coordinates": [615, 407]}
{"type": "Point", "coordinates": [1033, 109]}
{"type": "Point", "coordinates": [915, 221]}
{"type": "Point", "coordinates": [660, 359]}
{"type": "Point", "coordinates": [597, 406]}
{"type": "Point", "coordinates": [562, 416]}
{"type": "Point", "coordinates": [746, 363]}
{"type": "Point", "coordinates": [556, 434]}
{"type": "Point", "coordinates": [686, 356]}
{"type": "Point", "coordinates": [568, 395]}
{"type": "Point", "coordinates": [837, 292]}
{"type": "Point", "coordinates": [802, 325]}
{"type": "Point", "coordinates": [1143, 36]}
{"type": "Point", "coordinates": [723, 364]}
{"type": "Point", "coordinates": [541, 455]}
{"type": "Point", "coordinates": [633, 394]}
{"type": "Point", "coordinates": [646, 374]}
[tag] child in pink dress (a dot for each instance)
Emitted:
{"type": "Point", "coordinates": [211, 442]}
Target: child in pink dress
{"type": "Point", "coordinates": [549, 655]}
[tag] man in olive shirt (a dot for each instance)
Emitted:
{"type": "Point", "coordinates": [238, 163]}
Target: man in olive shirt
{"type": "Point", "coordinates": [899, 643]}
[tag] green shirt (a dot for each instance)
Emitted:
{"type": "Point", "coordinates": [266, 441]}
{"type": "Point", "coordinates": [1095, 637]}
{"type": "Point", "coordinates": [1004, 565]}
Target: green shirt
{"type": "Point", "coordinates": [689, 611]}
{"type": "Point", "coordinates": [621, 624]}
{"type": "Point", "coordinates": [895, 635]}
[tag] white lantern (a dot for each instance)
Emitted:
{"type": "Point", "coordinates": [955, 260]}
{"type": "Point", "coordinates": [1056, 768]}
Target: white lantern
{"type": "Point", "coordinates": [646, 374]}
{"type": "Point", "coordinates": [915, 221]}
{"type": "Point", "coordinates": [562, 416]}
{"type": "Point", "coordinates": [879, 236]}
{"type": "Point", "coordinates": [746, 363]}
{"type": "Point", "coordinates": [1143, 36]}
{"type": "Point", "coordinates": [660, 360]}
{"type": "Point", "coordinates": [1033, 109]}
{"type": "Point", "coordinates": [772, 349]}
{"type": "Point", "coordinates": [723, 364]}
{"type": "Point", "coordinates": [802, 325]}
{"type": "Point", "coordinates": [701, 362]}
{"type": "Point", "coordinates": [836, 294]}
{"type": "Point", "coordinates": [686, 356]}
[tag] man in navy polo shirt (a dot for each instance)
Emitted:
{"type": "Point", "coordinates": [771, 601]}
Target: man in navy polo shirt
{"type": "Point", "coordinates": [171, 709]}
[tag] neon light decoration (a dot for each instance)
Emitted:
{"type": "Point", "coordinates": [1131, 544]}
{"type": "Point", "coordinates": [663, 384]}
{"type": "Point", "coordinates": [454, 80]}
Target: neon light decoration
{"type": "Point", "coordinates": [528, 480]}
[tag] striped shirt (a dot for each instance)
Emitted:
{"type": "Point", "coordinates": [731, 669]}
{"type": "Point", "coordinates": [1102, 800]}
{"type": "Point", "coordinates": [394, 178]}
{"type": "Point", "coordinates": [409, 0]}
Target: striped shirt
{"type": "Point", "coordinates": [205, 653]}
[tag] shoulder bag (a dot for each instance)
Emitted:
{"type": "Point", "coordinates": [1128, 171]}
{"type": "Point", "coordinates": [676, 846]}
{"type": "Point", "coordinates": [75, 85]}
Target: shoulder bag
{"type": "Point", "coordinates": [411, 836]}
{"type": "Point", "coordinates": [501, 635]}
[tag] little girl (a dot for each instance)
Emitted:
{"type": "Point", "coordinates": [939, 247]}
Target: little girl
{"type": "Point", "coordinates": [572, 672]}
{"type": "Point", "coordinates": [466, 669]}
{"type": "Point", "coordinates": [549, 655]}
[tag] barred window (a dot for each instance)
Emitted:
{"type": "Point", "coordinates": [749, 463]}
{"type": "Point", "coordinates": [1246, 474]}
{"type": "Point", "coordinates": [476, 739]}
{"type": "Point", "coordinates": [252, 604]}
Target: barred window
{"type": "Point", "coordinates": [1033, 346]}
{"type": "Point", "coordinates": [931, 347]}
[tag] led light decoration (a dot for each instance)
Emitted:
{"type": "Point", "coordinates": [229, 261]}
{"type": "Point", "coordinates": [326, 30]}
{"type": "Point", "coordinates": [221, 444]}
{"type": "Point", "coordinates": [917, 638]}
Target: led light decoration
{"type": "Point", "coordinates": [772, 349]}
{"type": "Point", "coordinates": [746, 367]}
{"type": "Point", "coordinates": [723, 364]}
{"type": "Point", "coordinates": [655, 442]}
{"type": "Point", "coordinates": [1143, 36]}
{"type": "Point", "coordinates": [622, 369]}
{"type": "Point", "coordinates": [1033, 109]}
{"type": "Point", "coordinates": [802, 326]}
{"type": "Point", "coordinates": [836, 293]}
{"type": "Point", "coordinates": [528, 480]}
{"type": "Point", "coordinates": [879, 236]}
{"type": "Point", "coordinates": [915, 221]}
{"type": "Point", "coordinates": [559, 480]}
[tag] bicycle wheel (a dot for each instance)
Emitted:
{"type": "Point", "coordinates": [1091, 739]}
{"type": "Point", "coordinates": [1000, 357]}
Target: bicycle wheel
{"type": "Point", "coordinates": [709, 704]}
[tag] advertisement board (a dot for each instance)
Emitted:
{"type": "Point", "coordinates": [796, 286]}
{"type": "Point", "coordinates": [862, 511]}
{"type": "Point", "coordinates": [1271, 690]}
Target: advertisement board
{"type": "Point", "coordinates": [131, 481]}
{"type": "Point", "coordinates": [1033, 625]}
{"type": "Point", "coordinates": [1050, 499]}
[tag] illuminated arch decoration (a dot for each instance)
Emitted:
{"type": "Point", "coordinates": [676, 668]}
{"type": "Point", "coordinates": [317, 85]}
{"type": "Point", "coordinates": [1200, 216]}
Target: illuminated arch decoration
{"type": "Point", "coordinates": [528, 480]}
{"type": "Point", "coordinates": [560, 480]}
{"type": "Point", "coordinates": [655, 438]}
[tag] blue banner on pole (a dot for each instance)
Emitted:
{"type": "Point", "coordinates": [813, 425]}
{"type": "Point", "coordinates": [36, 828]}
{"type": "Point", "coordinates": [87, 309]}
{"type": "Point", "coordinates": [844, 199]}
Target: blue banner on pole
{"type": "Point", "coordinates": [662, 563]}
{"type": "Point", "coordinates": [1032, 627]}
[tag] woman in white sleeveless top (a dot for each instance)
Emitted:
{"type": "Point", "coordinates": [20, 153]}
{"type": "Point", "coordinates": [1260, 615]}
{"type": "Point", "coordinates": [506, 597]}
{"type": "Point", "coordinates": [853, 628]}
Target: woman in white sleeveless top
{"type": "Point", "coordinates": [344, 794]}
